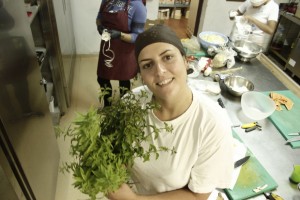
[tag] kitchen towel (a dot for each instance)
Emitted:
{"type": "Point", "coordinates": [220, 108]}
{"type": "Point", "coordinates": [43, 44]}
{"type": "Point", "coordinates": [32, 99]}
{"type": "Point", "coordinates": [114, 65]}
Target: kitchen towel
{"type": "Point", "coordinates": [287, 121]}
{"type": "Point", "coordinates": [252, 175]}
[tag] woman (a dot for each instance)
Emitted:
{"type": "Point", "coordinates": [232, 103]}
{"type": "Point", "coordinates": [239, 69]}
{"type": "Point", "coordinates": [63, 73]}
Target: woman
{"type": "Point", "coordinates": [263, 16]}
{"type": "Point", "coordinates": [122, 20]}
{"type": "Point", "coordinates": [201, 132]}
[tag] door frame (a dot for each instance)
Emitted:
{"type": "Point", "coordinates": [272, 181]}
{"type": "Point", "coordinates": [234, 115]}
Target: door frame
{"type": "Point", "coordinates": [199, 12]}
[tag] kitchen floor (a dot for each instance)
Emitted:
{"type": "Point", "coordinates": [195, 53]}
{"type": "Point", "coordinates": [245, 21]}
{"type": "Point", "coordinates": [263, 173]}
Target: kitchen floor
{"type": "Point", "coordinates": [178, 25]}
{"type": "Point", "coordinates": [84, 95]}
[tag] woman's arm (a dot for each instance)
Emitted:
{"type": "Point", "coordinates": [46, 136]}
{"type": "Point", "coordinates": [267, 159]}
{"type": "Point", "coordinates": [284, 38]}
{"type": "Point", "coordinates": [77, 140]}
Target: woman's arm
{"type": "Point", "coordinates": [125, 193]}
{"type": "Point", "coordinates": [100, 28]}
{"type": "Point", "coordinates": [137, 23]}
{"type": "Point", "coordinates": [267, 28]}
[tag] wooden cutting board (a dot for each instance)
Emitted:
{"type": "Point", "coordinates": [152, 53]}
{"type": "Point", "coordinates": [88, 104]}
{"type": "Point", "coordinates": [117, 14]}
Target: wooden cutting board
{"type": "Point", "coordinates": [252, 175]}
{"type": "Point", "coordinates": [287, 121]}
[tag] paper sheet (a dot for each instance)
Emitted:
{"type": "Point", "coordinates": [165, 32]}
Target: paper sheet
{"type": "Point", "coordinates": [240, 151]}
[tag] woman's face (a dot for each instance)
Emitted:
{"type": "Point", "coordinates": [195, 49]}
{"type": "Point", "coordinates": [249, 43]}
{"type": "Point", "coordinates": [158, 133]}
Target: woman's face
{"type": "Point", "coordinates": [163, 69]}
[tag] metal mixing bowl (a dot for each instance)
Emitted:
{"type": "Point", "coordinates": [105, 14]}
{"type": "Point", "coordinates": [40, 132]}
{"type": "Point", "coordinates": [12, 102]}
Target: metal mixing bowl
{"type": "Point", "coordinates": [238, 85]}
{"type": "Point", "coordinates": [246, 50]}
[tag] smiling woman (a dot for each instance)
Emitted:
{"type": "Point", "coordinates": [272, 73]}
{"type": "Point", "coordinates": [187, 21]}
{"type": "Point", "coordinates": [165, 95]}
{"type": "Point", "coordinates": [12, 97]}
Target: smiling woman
{"type": "Point", "coordinates": [201, 134]}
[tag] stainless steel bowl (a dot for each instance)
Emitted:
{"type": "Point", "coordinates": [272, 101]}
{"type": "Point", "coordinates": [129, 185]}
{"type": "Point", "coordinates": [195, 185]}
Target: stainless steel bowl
{"type": "Point", "coordinates": [246, 50]}
{"type": "Point", "coordinates": [238, 85]}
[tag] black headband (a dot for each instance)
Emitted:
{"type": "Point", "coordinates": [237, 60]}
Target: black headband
{"type": "Point", "coordinates": [157, 33]}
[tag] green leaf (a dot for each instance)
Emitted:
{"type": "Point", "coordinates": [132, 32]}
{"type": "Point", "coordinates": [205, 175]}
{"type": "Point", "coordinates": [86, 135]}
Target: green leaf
{"type": "Point", "coordinates": [104, 141]}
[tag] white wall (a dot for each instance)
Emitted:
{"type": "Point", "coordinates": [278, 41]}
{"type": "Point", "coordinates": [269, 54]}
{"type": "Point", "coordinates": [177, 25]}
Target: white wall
{"type": "Point", "coordinates": [84, 14]}
{"type": "Point", "coordinates": [214, 15]}
{"type": "Point", "coordinates": [152, 9]}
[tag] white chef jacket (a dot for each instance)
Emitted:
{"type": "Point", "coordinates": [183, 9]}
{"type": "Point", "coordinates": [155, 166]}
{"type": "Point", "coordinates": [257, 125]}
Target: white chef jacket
{"type": "Point", "coordinates": [265, 13]}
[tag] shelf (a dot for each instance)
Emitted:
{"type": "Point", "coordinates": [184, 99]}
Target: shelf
{"type": "Point", "coordinates": [287, 33]}
{"type": "Point", "coordinates": [282, 53]}
{"type": "Point", "coordinates": [174, 5]}
{"type": "Point", "coordinates": [180, 5]}
{"type": "Point", "coordinates": [290, 17]}
{"type": "Point", "coordinates": [166, 5]}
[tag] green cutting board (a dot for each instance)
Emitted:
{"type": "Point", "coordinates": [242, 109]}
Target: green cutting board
{"type": "Point", "coordinates": [252, 175]}
{"type": "Point", "coordinates": [287, 121]}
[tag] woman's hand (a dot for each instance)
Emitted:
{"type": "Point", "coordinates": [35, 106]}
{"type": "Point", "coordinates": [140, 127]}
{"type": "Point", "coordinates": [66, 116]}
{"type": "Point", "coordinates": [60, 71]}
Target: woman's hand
{"type": "Point", "coordinates": [123, 193]}
{"type": "Point", "coordinates": [100, 29]}
{"type": "Point", "coordinates": [114, 34]}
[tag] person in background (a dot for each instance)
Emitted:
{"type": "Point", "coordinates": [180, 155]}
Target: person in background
{"type": "Point", "coordinates": [118, 22]}
{"type": "Point", "coordinates": [201, 132]}
{"type": "Point", "coordinates": [263, 16]}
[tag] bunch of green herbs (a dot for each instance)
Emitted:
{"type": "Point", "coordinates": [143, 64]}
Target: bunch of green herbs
{"type": "Point", "coordinates": [105, 142]}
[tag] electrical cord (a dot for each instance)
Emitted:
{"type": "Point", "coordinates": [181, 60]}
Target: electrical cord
{"type": "Point", "coordinates": [106, 38]}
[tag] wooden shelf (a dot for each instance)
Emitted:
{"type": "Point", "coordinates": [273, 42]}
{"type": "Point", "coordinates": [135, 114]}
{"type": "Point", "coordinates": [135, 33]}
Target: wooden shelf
{"type": "Point", "coordinates": [175, 5]}
{"type": "Point", "coordinates": [290, 17]}
{"type": "Point", "coordinates": [287, 53]}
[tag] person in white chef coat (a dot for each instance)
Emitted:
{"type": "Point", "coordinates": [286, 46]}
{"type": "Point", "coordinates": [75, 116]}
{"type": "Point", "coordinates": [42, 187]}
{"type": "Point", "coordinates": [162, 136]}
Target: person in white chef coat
{"type": "Point", "coordinates": [262, 15]}
{"type": "Point", "coordinates": [201, 132]}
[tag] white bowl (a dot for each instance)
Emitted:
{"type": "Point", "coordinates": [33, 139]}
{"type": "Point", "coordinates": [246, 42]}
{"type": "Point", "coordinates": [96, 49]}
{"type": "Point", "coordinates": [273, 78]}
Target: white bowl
{"type": "Point", "coordinates": [256, 105]}
{"type": "Point", "coordinates": [211, 38]}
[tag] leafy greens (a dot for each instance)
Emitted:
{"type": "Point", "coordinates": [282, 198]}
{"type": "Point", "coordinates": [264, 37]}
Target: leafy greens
{"type": "Point", "coordinates": [105, 142]}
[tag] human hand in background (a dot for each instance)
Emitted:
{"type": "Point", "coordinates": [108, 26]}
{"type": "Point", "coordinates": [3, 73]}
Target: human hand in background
{"type": "Point", "coordinates": [249, 18]}
{"type": "Point", "coordinates": [114, 34]}
{"type": "Point", "coordinates": [233, 14]}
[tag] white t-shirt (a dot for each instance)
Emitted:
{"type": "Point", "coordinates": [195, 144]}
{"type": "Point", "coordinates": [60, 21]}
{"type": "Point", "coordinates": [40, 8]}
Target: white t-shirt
{"type": "Point", "coordinates": [265, 13]}
{"type": "Point", "coordinates": [204, 160]}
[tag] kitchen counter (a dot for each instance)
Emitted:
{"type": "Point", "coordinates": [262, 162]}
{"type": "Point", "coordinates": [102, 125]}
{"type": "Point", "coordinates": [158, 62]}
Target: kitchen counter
{"type": "Point", "coordinates": [267, 145]}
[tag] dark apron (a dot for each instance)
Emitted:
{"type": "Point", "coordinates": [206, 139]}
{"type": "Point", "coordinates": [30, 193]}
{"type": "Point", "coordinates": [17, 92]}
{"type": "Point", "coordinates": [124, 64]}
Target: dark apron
{"type": "Point", "coordinates": [124, 66]}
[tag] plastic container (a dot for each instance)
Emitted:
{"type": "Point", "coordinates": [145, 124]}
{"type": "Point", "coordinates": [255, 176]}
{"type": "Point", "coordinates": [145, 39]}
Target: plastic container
{"type": "Point", "coordinates": [295, 176]}
{"type": "Point", "coordinates": [256, 105]}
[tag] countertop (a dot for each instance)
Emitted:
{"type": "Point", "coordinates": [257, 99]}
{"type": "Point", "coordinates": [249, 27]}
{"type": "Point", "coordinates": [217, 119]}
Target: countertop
{"type": "Point", "coordinates": [267, 145]}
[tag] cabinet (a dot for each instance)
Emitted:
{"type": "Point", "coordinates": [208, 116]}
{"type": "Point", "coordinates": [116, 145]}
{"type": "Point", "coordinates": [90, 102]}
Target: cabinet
{"type": "Point", "coordinates": [52, 31]}
{"type": "Point", "coordinates": [284, 46]}
{"type": "Point", "coordinates": [48, 56]}
{"type": "Point", "coordinates": [29, 154]}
